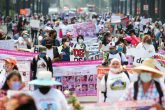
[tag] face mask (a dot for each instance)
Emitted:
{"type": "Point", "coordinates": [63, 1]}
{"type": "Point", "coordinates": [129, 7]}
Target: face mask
{"type": "Point", "coordinates": [80, 41]}
{"type": "Point", "coordinates": [145, 77]}
{"type": "Point", "coordinates": [149, 41]}
{"type": "Point", "coordinates": [67, 44]}
{"type": "Point", "coordinates": [44, 90]}
{"type": "Point", "coordinates": [16, 85]}
{"type": "Point", "coordinates": [42, 55]}
{"type": "Point", "coordinates": [115, 70]}
{"type": "Point", "coordinates": [120, 49]}
{"type": "Point", "coordinates": [113, 51]}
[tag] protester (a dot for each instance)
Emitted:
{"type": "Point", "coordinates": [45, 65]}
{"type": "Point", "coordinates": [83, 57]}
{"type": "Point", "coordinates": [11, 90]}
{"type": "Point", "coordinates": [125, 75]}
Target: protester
{"type": "Point", "coordinates": [114, 84]}
{"type": "Point", "coordinates": [107, 38]}
{"type": "Point", "coordinates": [113, 53]}
{"type": "Point", "coordinates": [146, 87]}
{"type": "Point", "coordinates": [10, 65]}
{"type": "Point", "coordinates": [13, 82]}
{"type": "Point", "coordinates": [64, 50]}
{"type": "Point", "coordinates": [51, 51]}
{"type": "Point", "coordinates": [146, 45]}
{"type": "Point", "coordinates": [81, 46]}
{"type": "Point", "coordinates": [21, 102]}
{"type": "Point", "coordinates": [46, 96]}
{"type": "Point", "coordinates": [41, 62]}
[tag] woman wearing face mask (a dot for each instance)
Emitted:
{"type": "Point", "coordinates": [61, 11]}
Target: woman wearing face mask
{"type": "Point", "coordinates": [10, 65]}
{"type": "Point", "coordinates": [146, 45]}
{"type": "Point", "coordinates": [46, 95]}
{"type": "Point", "coordinates": [114, 84]}
{"type": "Point", "coordinates": [107, 38]}
{"type": "Point", "coordinates": [13, 82]}
{"type": "Point", "coordinates": [146, 87]}
{"type": "Point", "coordinates": [65, 50]}
{"type": "Point", "coordinates": [81, 47]}
{"type": "Point", "coordinates": [24, 42]}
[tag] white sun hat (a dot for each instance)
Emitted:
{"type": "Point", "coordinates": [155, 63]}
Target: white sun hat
{"type": "Point", "coordinates": [44, 78]}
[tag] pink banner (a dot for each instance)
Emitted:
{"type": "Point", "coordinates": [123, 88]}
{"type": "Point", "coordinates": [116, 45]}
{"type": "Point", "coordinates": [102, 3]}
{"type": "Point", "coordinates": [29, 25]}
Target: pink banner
{"type": "Point", "coordinates": [77, 63]}
{"type": "Point", "coordinates": [16, 53]}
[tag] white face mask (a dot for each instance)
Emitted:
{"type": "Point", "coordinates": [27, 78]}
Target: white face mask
{"type": "Point", "coordinates": [115, 70]}
{"type": "Point", "coordinates": [80, 41]}
{"type": "Point", "coordinates": [145, 77]}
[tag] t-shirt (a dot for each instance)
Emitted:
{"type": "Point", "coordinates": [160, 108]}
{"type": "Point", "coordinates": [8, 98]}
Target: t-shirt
{"type": "Point", "coordinates": [53, 100]}
{"type": "Point", "coordinates": [121, 58]}
{"type": "Point", "coordinates": [41, 65]}
{"type": "Point", "coordinates": [116, 86]}
{"type": "Point", "coordinates": [49, 52]}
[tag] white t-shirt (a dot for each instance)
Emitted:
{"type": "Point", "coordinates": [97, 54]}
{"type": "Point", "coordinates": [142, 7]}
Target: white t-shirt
{"type": "Point", "coordinates": [21, 43]}
{"type": "Point", "coordinates": [116, 86]}
{"type": "Point", "coordinates": [122, 58]}
{"type": "Point", "coordinates": [49, 52]}
{"type": "Point", "coordinates": [150, 49]}
{"type": "Point", "coordinates": [41, 65]}
{"type": "Point", "coordinates": [53, 100]}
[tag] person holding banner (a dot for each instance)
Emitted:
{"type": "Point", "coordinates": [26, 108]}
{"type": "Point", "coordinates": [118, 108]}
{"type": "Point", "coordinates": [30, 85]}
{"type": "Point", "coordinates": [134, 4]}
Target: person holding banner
{"type": "Point", "coordinates": [146, 87]}
{"type": "Point", "coordinates": [80, 50]}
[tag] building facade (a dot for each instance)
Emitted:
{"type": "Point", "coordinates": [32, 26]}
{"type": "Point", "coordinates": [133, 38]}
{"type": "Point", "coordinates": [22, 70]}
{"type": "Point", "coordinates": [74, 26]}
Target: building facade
{"type": "Point", "coordinates": [148, 8]}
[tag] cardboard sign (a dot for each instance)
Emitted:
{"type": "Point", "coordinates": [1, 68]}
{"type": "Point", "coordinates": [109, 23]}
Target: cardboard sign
{"type": "Point", "coordinates": [35, 23]}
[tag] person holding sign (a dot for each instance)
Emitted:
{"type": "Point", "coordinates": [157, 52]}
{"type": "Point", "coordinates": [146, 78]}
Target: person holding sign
{"type": "Point", "coordinates": [146, 87]}
{"type": "Point", "coordinates": [114, 84]}
{"type": "Point", "coordinates": [80, 51]}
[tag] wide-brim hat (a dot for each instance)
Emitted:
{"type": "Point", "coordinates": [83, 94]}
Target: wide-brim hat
{"type": "Point", "coordinates": [150, 66]}
{"type": "Point", "coordinates": [44, 78]}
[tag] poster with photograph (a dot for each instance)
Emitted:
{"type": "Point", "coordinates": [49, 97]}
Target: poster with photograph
{"type": "Point", "coordinates": [78, 77]}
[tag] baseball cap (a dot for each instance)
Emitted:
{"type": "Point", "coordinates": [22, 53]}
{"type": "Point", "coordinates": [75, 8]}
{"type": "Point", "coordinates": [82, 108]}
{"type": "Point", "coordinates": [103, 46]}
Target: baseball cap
{"type": "Point", "coordinates": [11, 60]}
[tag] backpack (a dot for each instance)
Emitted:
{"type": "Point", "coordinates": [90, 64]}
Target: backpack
{"type": "Point", "coordinates": [106, 78]}
{"type": "Point", "coordinates": [123, 63]}
{"type": "Point", "coordinates": [158, 87]}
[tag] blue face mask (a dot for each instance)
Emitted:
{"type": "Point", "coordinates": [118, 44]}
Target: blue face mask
{"type": "Point", "coordinates": [120, 49]}
{"type": "Point", "coordinates": [113, 51]}
{"type": "Point", "coordinates": [145, 77]}
{"type": "Point", "coordinates": [16, 85]}
{"type": "Point", "coordinates": [42, 55]}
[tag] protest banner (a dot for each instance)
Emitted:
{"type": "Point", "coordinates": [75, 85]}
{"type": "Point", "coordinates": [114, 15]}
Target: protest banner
{"type": "Point", "coordinates": [115, 19]}
{"type": "Point", "coordinates": [35, 23]}
{"type": "Point", "coordinates": [24, 69]}
{"type": "Point", "coordinates": [7, 44]}
{"type": "Point", "coordinates": [18, 55]}
{"type": "Point", "coordinates": [160, 61]}
{"type": "Point", "coordinates": [87, 29]}
{"type": "Point", "coordinates": [102, 69]}
{"type": "Point", "coordinates": [79, 77]}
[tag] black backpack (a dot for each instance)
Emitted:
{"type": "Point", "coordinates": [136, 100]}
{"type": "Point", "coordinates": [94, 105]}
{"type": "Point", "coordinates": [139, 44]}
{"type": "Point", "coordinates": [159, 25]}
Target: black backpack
{"type": "Point", "coordinates": [106, 77]}
{"type": "Point", "coordinates": [158, 87]}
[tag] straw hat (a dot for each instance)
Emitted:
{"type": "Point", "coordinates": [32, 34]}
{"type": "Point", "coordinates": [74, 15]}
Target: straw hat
{"type": "Point", "coordinates": [148, 65]}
